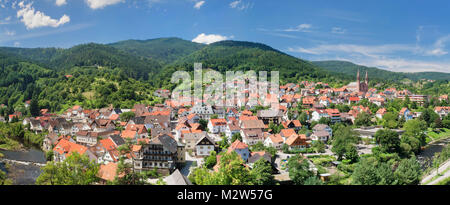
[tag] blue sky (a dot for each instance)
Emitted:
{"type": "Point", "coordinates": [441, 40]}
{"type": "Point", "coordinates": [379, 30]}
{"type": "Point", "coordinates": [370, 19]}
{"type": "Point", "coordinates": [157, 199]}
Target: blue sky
{"type": "Point", "coordinates": [400, 35]}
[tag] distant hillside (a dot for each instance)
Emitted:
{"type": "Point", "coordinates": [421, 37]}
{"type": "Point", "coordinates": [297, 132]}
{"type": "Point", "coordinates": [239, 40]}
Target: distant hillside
{"type": "Point", "coordinates": [128, 72]}
{"type": "Point", "coordinates": [87, 55]}
{"type": "Point", "coordinates": [376, 73]}
{"type": "Point", "coordinates": [237, 55]}
{"type": "Point", "coordinates": [165, 50]}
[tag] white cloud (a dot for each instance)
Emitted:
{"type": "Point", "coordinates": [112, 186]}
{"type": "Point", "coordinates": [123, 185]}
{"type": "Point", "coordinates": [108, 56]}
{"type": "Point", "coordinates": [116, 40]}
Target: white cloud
{"type": "Point", "coordinates": [403, 65]}
{"type": "Point", "coordinates": [31, 35]}
{"type": "Point", "coordinates": [370, 51]}
{"type": "Point", "coordinates": [300, 28]}
{"type": "Point", "coordinates": [234, 4]}
{"type": "Point", "coordinates": [199, 4]}
{"type": "Point", "coordinates": [35, 19]}
{"type": "Point", "coordinates": [61, 2]}
{"type": "Point", "coordinates": [439, 47]}
{"type": "Point", "coordinates": [419, 34]}
{"type": "Point", "coordinates": [338, 30]}
{"type": "Point", "coordinates": [10, 33]}
{"type": "Point", "coordinates": [5, 21]}
{"type": "Point", "coordinates": [16, 44]}
{"type": "Point", "coordinates": [208, 39]}
{"type": "Point", "coordinates": [99, 4]}
{"type": "Point", "coordinates": [380, 56]}
{"type": "Point", "coordinates": [240, 5]}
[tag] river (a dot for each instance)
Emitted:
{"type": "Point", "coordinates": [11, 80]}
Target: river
{"type": "Point", "coordinates": [23, 174]}
{"type": "Point", "coordinates": [427, 155]}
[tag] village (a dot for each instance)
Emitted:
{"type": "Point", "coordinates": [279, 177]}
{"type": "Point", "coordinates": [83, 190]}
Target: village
{"type": "Point", "coordinates": [174, 139]}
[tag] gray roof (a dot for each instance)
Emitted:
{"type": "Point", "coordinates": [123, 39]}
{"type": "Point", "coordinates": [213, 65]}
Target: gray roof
{"type": "Point", "coordinates": [194, 136]}
{"type": "Point", "coordinates": [118, 140]}
{"type": "Point", "coordinates": [139, 120]}
{"type": "Point", "coordinates": [256, 157]}
{"type": "Point", "coordinates": [322, 133]}
{"type": "Point", "coordinates": [207, 137]}
{"type": "Point", "coordinates": [270, 113]}
{"type": "Point", "coordinates": [161, 119]}
{"type": "Point", "coordinates": [168, 142]}
{"type": "Point", "coordinates": [320, 127]}
{"type": "Point", "coordinates": [176, 178]}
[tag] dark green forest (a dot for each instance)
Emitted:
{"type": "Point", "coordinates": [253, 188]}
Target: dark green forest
{"type": "Point", "coordinates": [128, 72]}
{"type": "Point", "coordinates": [378, 74]}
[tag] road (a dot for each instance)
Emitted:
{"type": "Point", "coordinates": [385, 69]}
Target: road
{"type": "Point", "coordinates": [442, 168]}
{"type": "Point", "coordinates": [186, 170]}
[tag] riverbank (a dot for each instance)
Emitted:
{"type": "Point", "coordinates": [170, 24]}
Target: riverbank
{"type": "Point", "coordinates": [27, 169]}
{"type": "Point", "coordinates": [427, 156]}
{"type": "Point", "coordinates": [16, 137]}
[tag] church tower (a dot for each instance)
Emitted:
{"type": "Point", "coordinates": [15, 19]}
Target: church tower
{"type": "Point", "coordinates": [358, 82]}
{"type": "Point", "coordinates": [367, 79]}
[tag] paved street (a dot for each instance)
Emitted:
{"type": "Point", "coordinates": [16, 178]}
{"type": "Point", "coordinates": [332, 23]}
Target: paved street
{"type": "Point", "coordinates": [433, 173]}
{"type": "Point", "coordinates": [365, 149]}
{"type": "Point", "coordinates": [186, 170]}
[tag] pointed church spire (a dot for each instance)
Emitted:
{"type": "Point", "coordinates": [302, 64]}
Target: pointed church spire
{"type": "Point", "coordinates": [358, 82]}
{"type": "Point", "coordinates": [367, 78]}
{"type": "Point", "coordinates": [357, 76]}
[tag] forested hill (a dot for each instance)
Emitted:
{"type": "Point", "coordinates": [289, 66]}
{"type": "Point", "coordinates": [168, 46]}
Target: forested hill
{"type": "Point", "coordinates": [376, 73]}
{"type": "Point", "coordinates": [88, 55]}
{"type": "Point", "coordinates": [96, 75]}
{"type": "Point", "coordinates": [128, 72]}
{"type": "Point", "coordinates": [237, 55]}
{"type": "Point", "coordinates": [166, 50]}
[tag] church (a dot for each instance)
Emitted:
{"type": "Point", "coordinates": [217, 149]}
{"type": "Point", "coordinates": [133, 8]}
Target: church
{"type": "Point", "coordinates": [359, 86]}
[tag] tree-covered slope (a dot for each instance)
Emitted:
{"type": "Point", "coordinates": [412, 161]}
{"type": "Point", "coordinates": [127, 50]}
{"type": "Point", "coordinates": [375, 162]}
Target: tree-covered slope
{"type": "Point", "coordinates": [88, 55]}
{"type": "Point", "coordinates": [376, 73]}
{"type": "Point", "coordinates": [165, 50]}
{"type": "Point", "coordinates": [243, 56]}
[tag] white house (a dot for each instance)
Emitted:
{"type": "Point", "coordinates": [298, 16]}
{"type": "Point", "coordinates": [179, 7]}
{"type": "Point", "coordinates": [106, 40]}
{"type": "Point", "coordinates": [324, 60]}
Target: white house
{"type": "Point", "coordinates": [275, 141]}
{"type": "Point", "coordinates": [217, 125]}
{"type": "Point", "coordinates": [204, 146]}
{"type": "Point", "coordinates": [318, 114]}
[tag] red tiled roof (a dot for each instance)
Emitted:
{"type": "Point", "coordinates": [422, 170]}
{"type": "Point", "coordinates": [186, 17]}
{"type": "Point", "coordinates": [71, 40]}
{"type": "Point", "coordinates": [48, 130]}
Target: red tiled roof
{"type": "Point", "coordinates": [276, 138]}
{"type": "Point", "coordinates": [108, 144]}
{"type": "Point", "coordinates": [128, 134]}
{"type": "Point", "coordinates": [114, 117]}
{"type": "Point", "coordinates": [381, 111]}
{"type": "Point", "coordinates": [66, 147]}
{"type": "Point", "coordinates": [108, 172]}
{"type": "Point", "coordinates": [403, 110]}
{"type": "Point", "coordinates": [218, 122]}
{"type": "Point", "coordinates": [288, 132]}
{"type": "Point", "coordinates": [237, 145]}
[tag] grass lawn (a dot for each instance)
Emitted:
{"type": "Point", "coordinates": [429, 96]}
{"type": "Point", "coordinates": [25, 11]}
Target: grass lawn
{"type": "Point", "coordinates": [9, 144]}
{"type": "Point", "coordinates": [444, 133]}
{"type": "Point", "coordinates": [444, 182]}
{"type": "Point", "coordinates": [322, 160]}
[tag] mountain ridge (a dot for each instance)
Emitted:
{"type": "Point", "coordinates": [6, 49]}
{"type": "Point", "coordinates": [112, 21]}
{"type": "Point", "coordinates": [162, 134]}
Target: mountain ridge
{"type": "Point", "coordinates": [351, 68]}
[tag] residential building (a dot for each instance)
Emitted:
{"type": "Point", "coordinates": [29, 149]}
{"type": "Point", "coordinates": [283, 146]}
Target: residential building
{"type": "Point", "coordinates": [204, 146]}
{"type": "Point", "coordinates": [217, 125]}
{"type": "Point", "coordinates": [240, 148]}
{"type": "Point", "coordinates": [160, 153]}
